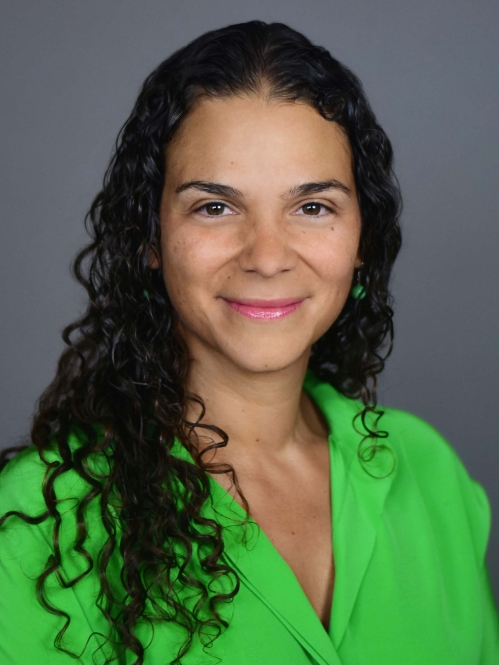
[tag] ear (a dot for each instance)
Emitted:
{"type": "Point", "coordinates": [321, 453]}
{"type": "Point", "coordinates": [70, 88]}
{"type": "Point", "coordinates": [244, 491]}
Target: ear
{"type": "Point", "coordinates": [358, 262]}
{"type": "Point", "coordinates": [153, 260]}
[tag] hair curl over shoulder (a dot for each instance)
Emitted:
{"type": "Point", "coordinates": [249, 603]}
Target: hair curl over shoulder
{"type": "Point", "coordinates": [125, 363]}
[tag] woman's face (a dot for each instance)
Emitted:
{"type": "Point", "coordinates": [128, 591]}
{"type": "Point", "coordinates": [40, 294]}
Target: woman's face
{"type": "Point", "coordinates": [259, 203]}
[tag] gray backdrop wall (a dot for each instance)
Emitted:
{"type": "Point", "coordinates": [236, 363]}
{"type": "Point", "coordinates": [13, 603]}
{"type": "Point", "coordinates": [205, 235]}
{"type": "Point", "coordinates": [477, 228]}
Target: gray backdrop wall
{"type": "Point", "coordinates": [71, 72]}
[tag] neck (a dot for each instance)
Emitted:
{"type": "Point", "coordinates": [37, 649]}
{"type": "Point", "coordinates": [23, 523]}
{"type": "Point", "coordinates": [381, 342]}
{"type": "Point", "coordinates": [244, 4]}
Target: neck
{"type": "Point", "coordinates": [264, 413]}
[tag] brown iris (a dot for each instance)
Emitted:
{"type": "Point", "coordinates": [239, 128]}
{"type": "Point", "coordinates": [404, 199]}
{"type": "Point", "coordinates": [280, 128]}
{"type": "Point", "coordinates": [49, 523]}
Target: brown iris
{"type": "Point", "coordinates": [308, 206]}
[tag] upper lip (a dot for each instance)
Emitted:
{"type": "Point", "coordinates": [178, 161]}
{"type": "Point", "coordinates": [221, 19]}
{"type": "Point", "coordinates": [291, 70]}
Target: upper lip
{"type": "Point", "coordinates": [259, 302]}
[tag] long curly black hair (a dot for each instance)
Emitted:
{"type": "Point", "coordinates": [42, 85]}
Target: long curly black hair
{"type": "Point", "coordinates": [125, 363]}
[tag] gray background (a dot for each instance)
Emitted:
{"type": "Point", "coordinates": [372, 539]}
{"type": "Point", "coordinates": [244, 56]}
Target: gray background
{"type": "Point", "coordinates": [71, 73]}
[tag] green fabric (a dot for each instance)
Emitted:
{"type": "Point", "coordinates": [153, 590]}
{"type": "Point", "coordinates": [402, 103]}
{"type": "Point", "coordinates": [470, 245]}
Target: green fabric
{"type": "Point", "coordinates": [412, 586]}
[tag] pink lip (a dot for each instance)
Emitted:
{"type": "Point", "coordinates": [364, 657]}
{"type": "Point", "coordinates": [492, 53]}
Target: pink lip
{"type": "Point", "coordinates": [265, 309]}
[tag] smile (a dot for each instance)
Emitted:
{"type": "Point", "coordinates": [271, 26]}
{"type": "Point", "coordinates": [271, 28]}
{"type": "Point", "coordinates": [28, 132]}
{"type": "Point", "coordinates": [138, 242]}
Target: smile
{"type": "Point", "coordinates": [258, 311]}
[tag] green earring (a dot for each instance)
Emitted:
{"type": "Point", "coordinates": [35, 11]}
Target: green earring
{"type": "Point", "coordinates": [358, 291]}
{"type": "Point", "coordinates": [146, 293]}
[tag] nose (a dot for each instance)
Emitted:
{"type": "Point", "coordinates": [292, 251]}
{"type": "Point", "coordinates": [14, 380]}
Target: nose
{"type": "Point", "coordinates": [267, 247]}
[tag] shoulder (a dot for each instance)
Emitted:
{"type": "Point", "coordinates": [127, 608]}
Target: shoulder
{"type": "Point", "coordinates": [23, 478]}
{"type": "Point", "coordinates": [420, 445]}
{"type": "Point", "coordinates": [42, 559]}
{"type": "Point", "coordinates": [430, 465]}
{"type": "Point", "coordinates": [29, 531]}
{"type": "Point", "coordinates": [419, 448]}
{"type": "Point", "coordinates": [21, 482]}
{"type": "Point", "coordinates": [428, 475]}
{"type": "Point", "coordinates": [416, 439]}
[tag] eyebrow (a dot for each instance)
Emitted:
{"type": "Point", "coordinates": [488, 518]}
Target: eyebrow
{"type": "Point", "coordinates": [299, 190]}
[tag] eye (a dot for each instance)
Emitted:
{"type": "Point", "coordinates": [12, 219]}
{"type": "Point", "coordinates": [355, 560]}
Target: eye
{"type": "Point", "coordinates": [312, 208]}
{"type": "Point", "coordinates": [215, 206]}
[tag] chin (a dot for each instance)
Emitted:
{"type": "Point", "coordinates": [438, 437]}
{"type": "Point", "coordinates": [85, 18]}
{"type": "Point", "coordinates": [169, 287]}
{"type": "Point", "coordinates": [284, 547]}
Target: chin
{"type": "Point", "coordinates": [262, 368]}
{"type": "Point", "coordinates": [258, 360]}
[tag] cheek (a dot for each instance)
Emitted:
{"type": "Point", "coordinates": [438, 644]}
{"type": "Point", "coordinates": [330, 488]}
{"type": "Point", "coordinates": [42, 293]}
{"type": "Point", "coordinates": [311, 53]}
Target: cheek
{"type": "Point", "coordinates": [189, 260]}
{"type": "Point", "coordinates": [334, 269]}
{"type": "Point", "coordinates": [334, 259]}
{"type": "Point", "coordinates": [338, 273]}
{"type": "Point", "coordinates": [336, 284]}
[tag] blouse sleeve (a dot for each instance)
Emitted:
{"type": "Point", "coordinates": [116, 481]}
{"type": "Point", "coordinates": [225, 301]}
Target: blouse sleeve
{"type": "Point", "coordinates": [490, 618]}
{"type": "Point", "coordinates": [454, 495]}
{"type": "Point", "coordinates": [27, 629]}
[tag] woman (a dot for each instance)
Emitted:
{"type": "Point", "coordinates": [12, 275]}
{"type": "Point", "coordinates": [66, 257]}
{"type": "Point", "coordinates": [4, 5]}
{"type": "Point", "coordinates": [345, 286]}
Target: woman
{"type": "Point", "coordinates": [207, 478]}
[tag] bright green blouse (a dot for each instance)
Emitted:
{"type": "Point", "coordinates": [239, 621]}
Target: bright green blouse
{"type": "Point", "coordinates": [412, 585]}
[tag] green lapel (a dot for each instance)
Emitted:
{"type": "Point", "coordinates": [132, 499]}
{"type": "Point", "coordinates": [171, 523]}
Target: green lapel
{"type": "Point", "coordinates": [358, 498]}
{"type": "Point", "coordinates": [263, 570]}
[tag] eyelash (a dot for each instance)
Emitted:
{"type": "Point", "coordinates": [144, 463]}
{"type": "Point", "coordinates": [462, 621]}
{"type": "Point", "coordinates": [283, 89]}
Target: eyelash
{"type": "Point", "coordinates": [323, 205]}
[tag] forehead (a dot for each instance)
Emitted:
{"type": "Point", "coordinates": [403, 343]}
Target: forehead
{"type": "Point", "coordinates": [250, 132]}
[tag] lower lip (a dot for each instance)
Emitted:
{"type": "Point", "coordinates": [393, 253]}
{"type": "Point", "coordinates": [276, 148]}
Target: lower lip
{"type": "Point", "coordinates": [263, 312]}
